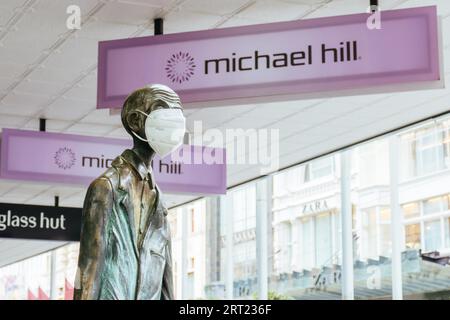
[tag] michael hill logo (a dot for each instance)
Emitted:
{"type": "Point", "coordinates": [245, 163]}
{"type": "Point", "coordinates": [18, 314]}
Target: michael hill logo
{"type": "Point", "coordinates": [64, 158]}
{"type": "Point", "coordinates": [180, 67]}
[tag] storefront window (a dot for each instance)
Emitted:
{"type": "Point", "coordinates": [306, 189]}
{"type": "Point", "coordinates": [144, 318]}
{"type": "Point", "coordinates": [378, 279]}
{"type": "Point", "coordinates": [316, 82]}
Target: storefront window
{"type": "Point", "coordinates": [306, 255]}
{"type": "Point", "coordinates": [244, 244]}
{"type": "Point", "coordinates": [429, 152]}
{"type": "Point", "coordinates": [432, 235]}
{"type": "Point", "coordinates": [412, 236]}
{"type": "Point", "coordinates": [372, 223]}
{"type": "Point", "coordinates": [369, 238]}
{"type": "Point", "coordinates": [174, 219]}
{"type": "Point", "coordinates": [319, 168]}
{"type": "Point", "coordinates": [411, 210]}
{"type": "Point", "coordinates": [434, 205]}
{"type": "Point", "coordinates": [324, 248]}
{"type": "Point", "coordinates": [306, 251]}
{"type": "Point", "coordinates": [447, 232]}
{"type": "Point", "coordinates": [426, 150]}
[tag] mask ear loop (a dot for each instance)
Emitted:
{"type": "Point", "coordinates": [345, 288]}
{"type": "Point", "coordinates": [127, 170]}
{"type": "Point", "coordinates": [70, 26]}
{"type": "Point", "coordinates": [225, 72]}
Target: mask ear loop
{"type": "Point", "coordinates": [134, 133]}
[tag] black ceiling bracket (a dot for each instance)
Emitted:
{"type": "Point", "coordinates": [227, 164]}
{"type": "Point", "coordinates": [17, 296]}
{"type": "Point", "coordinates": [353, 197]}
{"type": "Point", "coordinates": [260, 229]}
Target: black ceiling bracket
{"type": "Point", "coordinates": [374, 6]}
{"type": "Point", "coordinates": [158, 25]}
{"type": "Point", "coordinates": [42, 124]}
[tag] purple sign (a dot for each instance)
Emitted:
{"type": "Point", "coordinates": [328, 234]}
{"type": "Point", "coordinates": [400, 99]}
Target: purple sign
{"type": "Point", "coordinates": [274, 61]}
{"type": "Point", "coordinates": [75, 159]}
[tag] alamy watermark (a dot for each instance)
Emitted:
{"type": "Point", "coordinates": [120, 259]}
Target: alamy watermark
{"type": "Point", "coordinates": [243, 146]}
{"type": "Point", "coordinates": [373, 22]}
{"type": "Point", "coordinates": [73, 21]}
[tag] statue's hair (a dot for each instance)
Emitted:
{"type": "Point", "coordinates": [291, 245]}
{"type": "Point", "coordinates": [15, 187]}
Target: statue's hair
{"type": "Point", "coordinates": [141, 99]}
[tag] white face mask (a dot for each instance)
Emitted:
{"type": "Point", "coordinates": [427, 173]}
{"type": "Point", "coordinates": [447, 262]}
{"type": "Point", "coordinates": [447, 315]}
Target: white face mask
{"type": "Point", "coordinates": [164, 130]}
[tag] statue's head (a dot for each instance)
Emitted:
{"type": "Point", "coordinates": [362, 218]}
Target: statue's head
{"type": "Point", "coordinates": [154, 114]}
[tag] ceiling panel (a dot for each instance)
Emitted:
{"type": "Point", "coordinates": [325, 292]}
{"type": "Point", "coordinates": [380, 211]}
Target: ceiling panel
{"type": "Point", "coordinates": [11, 69]}
{"type": "Point", "coordinates": [57, 9]}
{"type": "Point", "coordinates": [443, 7]}
{"type": "Point", "coordinates": [181, 21]}
{"type": "Point", "coordinates": [6, 185]}
{"type": "Point", "coordinates": [89, 129]}
{"type": "Point", "coordinates": [25, 99]}
{"type": "Point", "coordinates": [48, 73]}
{"type": "Point", "coordinates": [39, 88]}
{"type": "Point", "coordinates": [68, 109]}
{"type": "Point", "coordinates": [8, 8]}
{"type": "Point", "coordinates": [8, 121]}
{"type": "Point", "coordinates": [214, 7]}
{"type": "Point", "coordinates": [102, 30]}
{"type": "Point", "coordinates": [19, 110]}
{"type": "Point", "coordinates": [51, 125]}
{"type": "Point", "coordinates": [5, 82]}
{"type": "Point", "coordinates": [264, 11]}
{"type": "Point", "coordinates": [75, 53]}
{"type": "Point", "coordinates": [101, 116]}
{"type": "Point", "coordinates": [82, 93]}
{"type": "Point", "coordinates": [119, 133]}
{"type": "Point", "coordinates": [136, 13]}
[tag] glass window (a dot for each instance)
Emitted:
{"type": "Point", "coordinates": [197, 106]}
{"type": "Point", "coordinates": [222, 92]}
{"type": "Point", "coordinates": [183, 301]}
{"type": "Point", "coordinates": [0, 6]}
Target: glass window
{"type": "Point", "coordinates": [429, 151]}
{"type": "Point", "coordinates": [385, 215]}
{"type": "Point", "coordinates": [190, 282]}
{"type": "Point", "coordinates": [323, 240]}
{"type": "Point", "coordinates": [319, 168]}
{"type": "Point", "coordinates": [283, 258]}
{"type": "Point", "coordinates": [411, 210]}
{"type": "Point", "coordinates": [433, 205]}
{"type": "Point", "coordinates": [432, 235]}
{"type": "Point", "coordinates": [447, 232]}
{"type": "Point", "coordinates": [244, 208]}
{"type": "Point", "coordinates": [307, 244]}
{"type": "Point", "coordinates": [412, 236]}
{"type": "Point", "coordinates": [370, 239]}
{"type": "Point", "coordinates": [192, 214]}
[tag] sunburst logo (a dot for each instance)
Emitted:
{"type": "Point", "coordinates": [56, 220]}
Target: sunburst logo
{"type": "Point", "coordinates": [180, 67]}
{"type": "Point", "coordinates": [65, 158]}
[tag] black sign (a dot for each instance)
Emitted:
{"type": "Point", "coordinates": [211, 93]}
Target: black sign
{"type": "Point", "coordinates": [39, 222]}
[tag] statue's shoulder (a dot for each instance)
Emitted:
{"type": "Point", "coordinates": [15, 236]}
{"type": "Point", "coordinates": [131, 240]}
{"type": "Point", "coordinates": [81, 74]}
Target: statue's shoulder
{"type": "Point", "coordinates": [118, 174]}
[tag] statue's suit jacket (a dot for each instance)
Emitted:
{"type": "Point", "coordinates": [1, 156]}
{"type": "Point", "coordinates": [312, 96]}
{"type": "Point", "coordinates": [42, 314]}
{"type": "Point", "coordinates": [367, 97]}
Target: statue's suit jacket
{"type": "Point", "coordinates": [114, 262]}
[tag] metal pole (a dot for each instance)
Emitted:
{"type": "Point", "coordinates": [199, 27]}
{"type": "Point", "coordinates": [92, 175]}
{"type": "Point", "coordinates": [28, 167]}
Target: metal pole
{"type": "Point", "coordinates": [396, 221]}
{"type": "Point", "coordinates": [184, 247]}
{"type": "Point", "coordinates": [261, 237]}
{"type": "Point", "coordinates": [53, 288]}
{"type": "Point", "coordinates": [53, 292]}
{"type": "Point", "coordinates": [225, 209]}
{"type": "Point", "coordinates": [346, 221]}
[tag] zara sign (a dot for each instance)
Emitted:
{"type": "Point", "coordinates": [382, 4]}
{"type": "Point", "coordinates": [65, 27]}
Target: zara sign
{"type": "Point", "coordinates": [276, 61]}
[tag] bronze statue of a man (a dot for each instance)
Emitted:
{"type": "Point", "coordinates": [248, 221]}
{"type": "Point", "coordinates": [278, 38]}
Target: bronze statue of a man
{"type": "Point", "coordinates": [125, 248]}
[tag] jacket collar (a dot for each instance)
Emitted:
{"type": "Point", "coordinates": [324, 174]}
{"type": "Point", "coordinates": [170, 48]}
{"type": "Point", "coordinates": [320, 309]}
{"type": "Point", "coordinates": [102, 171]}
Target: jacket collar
{"type": "Point", "coordinates": [138, 165]}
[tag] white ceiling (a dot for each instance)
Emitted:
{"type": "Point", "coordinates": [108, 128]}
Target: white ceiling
{"type": "Point", "coordinates": [49, 71]}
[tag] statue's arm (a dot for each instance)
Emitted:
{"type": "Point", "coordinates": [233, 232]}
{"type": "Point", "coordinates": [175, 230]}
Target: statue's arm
{"type": "Point", "coordinates": [97, 207]}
